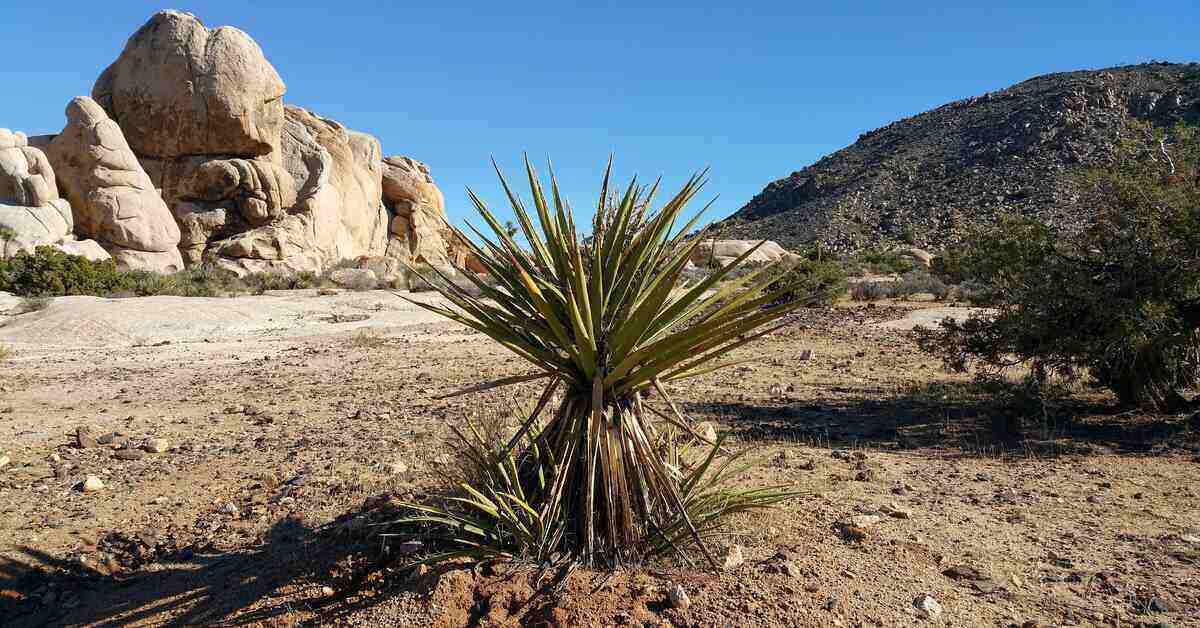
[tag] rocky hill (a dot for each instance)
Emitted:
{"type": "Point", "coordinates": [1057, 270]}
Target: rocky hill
{"type": "Point", "coordinates": [925, 179]}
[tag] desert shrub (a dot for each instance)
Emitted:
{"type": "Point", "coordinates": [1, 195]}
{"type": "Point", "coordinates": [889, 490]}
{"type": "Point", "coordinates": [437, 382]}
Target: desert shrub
{"type": "Point", "coordinates": [948, 266]}
{"type": "Point", "coordinates": [602, 323]}
{"type": "Point", "coordinates": [871, 290]}
{"type": "Point", "coordinates": [918, 282]}
{"type": "Point", "coordinates": [50, 272]}
{"type": "Point", "coordinates": [879, 263]}
{"type": "Point", "coordinates": [970, 291]}
{"type": "Point", "coordinates": [1118, 302]}
{"type": "Point", "coordinates": [812, 283]}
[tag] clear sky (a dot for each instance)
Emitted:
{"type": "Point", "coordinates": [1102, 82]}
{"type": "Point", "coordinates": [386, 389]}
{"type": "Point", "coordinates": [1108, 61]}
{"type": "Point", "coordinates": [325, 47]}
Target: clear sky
{"type": "Point", "coordinates": [754, 89]}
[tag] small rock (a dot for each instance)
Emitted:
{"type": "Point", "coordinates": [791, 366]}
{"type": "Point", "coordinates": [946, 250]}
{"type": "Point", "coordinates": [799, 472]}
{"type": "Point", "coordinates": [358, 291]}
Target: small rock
{"type": "Point", "coordinates": [397, 467]}
{"type": "Point", "coordinates": [852, 532]}
{"type": "Point", "coordinates": [678, 597]}
{"type": "Point", "coordinates": [1159, 605]}
{"type": "Point", "coordinates": [327, 591]}
{"type": "Point", "coordinates": [107, 439]}
{"type": "Point", "coordinates": [129, 454]}
{"type": "Point", "coordinates": [707, 431]}
{"type": "Point", "coordinates": [442, 459]}
{"type": "Point", "coordinates": [91, 484]}
{"type": "Point", "coordinates": [4, 461]}
{"type": "Point", "coordinates": [897, 512]}
{"type": "Point", "coordinates": [157, 445]}
{"type": "Point", "coordinates": [928, 606]}
{"type": "Point", "coordinates": [734, 558]}
{"type": "Point", "coordinates": [1193, 539]}
{"type": "Point", "coordinates": [160, 500]}
{"type": "Point", "coordinates": [409, 548]}
{"type": "Point", "coordinates": [228, 508]}
{"type": "Point", "coordinates": [84, 438]}
{"type": "Point", "coordinates": [251, 410]}
{"type": "Point", "coordinates": [987, 586]}
{"type": "Point", "coordinates": [866, 475]}
{"type": "Point", "coordinates": [865, 521]}
{"type": "Point", "coordinates": [964, 572]}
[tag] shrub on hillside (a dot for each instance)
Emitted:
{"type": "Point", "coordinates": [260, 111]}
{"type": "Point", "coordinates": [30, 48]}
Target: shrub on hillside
{"type": "Point", "coordinates": [1118, 303]}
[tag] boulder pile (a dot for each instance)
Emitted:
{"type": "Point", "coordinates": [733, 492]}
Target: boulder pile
{"type": "Point", "coordinates": [186, 154]}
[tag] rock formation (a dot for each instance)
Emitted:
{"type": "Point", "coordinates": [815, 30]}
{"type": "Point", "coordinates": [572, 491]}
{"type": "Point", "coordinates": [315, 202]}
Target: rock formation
{"type": "Point", "coordinates": [721, 252]}
{"type": "Point", "coordinates": [420, 233]}
{"type": "Point", "coordinates": [188, 155]}
{"type": "Point", "coordinates": [30, 207]}
{"type": "Point", "coordinates": [180, 89]}
{"type": "Point", "coordinates": [112, 198]}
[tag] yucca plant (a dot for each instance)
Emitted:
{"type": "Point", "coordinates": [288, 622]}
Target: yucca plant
{"type": "Point", "coordinates": [603, 322]}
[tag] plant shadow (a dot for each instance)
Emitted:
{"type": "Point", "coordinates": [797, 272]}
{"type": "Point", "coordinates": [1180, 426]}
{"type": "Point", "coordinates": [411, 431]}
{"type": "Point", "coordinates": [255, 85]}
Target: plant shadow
{"type": "Point", "coordinates": [284, 574]}
{"type": "Point", "coordinates": [963, 416]}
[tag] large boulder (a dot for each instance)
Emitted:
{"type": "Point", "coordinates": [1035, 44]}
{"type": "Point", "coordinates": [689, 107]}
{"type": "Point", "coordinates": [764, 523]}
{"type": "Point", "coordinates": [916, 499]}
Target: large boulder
{"type": "Point", "coordinates": [338, 212]}
{"type": "Point", "coordinates": [31, 212]}
{"type": "Point", "coordinates": [112, 198]}
{"type": "Point", "coordinates": [420, 233]}
{"type": "Point", "coordinates": [722, 252]}
{"type": "Point", "coordinates": [180, 89]}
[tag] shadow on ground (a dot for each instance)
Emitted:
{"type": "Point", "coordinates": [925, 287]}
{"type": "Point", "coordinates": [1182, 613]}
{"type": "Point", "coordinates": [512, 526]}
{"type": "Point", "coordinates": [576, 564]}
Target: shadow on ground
{"type": "Point", "coordinates": [193, 585]}
{"type": "Point", "coordinates": [955, 415]}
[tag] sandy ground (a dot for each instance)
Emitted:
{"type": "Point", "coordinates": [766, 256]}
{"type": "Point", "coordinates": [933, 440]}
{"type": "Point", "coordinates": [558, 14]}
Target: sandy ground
{"type": "Point", "coordinates": [292, 423]}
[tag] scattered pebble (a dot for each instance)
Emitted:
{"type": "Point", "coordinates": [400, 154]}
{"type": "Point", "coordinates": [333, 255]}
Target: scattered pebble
{"type": "Point", "coordinates": [4, 461]}
{"type": "Point", "coordinates": [733, 558]}
{"type": "Point", "coordinates": [84, 438]}
{"type": "Point", "coordinates": [157, 445]}
{"type": "Point", "coordinates": [91, 484]}
{"type": "Point", "coordinates": [129, 454]}
{"type": "Point", "coordinates": [928, 606]}
{"type": "Point", "coordinates": [397, 467]}
{"type": "Point", "coordinates": [865, 521]}
{"type": "Point", "coordinates": [678, 597]}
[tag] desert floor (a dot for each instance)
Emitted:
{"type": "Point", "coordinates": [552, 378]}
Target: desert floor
{"type": "Point", "coordinates": [295, 421]}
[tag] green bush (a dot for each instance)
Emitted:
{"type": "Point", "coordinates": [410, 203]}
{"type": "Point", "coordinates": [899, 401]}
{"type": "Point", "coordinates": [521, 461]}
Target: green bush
{"type": "Point", "coordinates": [815, 283]}
{"type": "Point", "coordinates": [49, 272]}
{"type": "Point", "coordinates": [948, 266]}
{"type": "Point", "coordinates": [879, 263]}
{"type": "Point", "coordinates": [1118, 303]}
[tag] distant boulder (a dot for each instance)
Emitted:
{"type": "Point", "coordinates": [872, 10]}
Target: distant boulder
{"type": "Point", "coordinates": [722, 252]}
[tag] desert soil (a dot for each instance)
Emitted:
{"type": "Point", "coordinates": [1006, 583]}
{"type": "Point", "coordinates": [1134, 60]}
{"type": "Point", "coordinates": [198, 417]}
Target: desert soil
{"type": "Point", "coordinates": [295, 421]}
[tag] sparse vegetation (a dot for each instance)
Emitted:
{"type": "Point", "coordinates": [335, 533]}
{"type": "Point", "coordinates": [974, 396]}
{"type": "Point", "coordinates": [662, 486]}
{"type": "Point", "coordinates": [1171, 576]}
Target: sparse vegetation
{"type": "Point", "coordinates": [49, 272]}
{"type": "Point", "coordinates": [1119, 303]}
{"type": "Point", "coordinates": [5, 353]}
{"type": "Point", "coordinates": [600, 480]}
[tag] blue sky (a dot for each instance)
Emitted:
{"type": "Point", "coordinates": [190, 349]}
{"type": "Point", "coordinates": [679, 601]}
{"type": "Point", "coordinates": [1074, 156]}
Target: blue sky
{"type": "Point", "coordinates": [755, 90]}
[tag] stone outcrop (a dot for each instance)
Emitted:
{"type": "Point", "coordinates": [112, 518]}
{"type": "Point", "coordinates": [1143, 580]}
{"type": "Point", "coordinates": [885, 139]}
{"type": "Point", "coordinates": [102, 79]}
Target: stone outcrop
{"type": "Point", "coordinates": [180, 89]}
{"type": "Point", "coordinates": [112, 198]}
{"type": "Point", "coordinates": [338, 211]}
{"type": "Point", "coordinates": [420, 233]}
{"type": "Point", "coordinates": [186, 154]}
{"type": "Point", "coordinates": [31, 211]}
{"type": "Point", "coordinates": [722, 252]}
